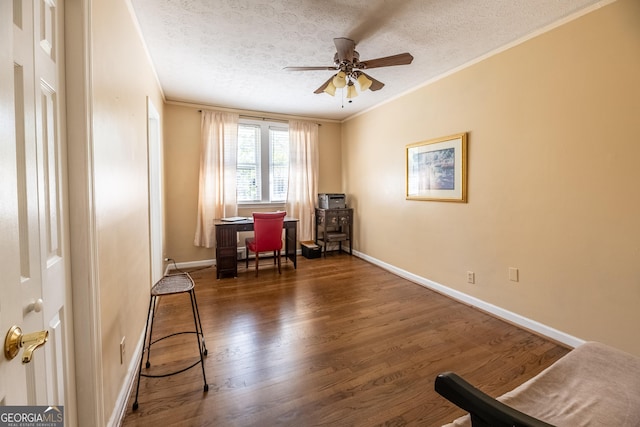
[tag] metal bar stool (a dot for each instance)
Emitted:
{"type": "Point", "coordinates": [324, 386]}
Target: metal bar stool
{"type": "Point", "coordinates": [172, 285]}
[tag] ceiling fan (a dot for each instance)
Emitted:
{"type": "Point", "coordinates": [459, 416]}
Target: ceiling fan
{"type": "Point", "coordinates": [349, 69]}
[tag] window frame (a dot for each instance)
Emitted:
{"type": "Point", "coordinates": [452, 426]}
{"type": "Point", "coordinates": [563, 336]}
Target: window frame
{"type": "Point", "coordinates": [265, 162]}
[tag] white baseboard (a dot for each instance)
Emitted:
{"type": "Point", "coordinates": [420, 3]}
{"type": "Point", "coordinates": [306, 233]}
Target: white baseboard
{"type": "Point", "coordinates": [507, 315]}
{"type": "Point", "coordinates": [205, 262]}
{"type": "Point", "coordinates": [502, 313]}
{"type": "Point", "coordinates": [120, 408]}
{"type": "Point", "coordinates": [544, 330]}
{"type": "Point", "coordinates": [190, 264]}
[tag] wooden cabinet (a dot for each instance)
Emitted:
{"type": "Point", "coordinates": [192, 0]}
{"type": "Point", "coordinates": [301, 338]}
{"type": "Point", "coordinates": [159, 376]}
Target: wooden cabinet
{"type": "Point", "coordinates": [334, 226]}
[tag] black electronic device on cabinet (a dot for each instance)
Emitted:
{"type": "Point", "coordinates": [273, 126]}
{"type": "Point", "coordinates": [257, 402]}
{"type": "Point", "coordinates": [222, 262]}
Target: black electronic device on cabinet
{"type": "Point", "coordinates": [331, 201]}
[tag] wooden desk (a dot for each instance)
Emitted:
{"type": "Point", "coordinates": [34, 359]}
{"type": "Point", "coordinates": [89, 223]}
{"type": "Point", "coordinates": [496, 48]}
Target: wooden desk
{"type": "Point", "coordinates": [227, 243]}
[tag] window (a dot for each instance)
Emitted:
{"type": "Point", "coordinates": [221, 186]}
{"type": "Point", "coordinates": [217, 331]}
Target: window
{"type": "Point", "coordinates": [263, 162]}
{"type": "Point", "coordinates": [248, 169]}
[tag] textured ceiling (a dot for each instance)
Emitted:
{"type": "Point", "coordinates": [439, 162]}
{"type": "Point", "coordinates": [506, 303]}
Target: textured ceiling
{"type": "Point", "coordinates": [231, 53]}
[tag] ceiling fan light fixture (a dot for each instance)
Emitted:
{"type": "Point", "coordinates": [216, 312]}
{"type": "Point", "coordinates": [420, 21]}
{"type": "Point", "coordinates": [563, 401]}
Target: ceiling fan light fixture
{"type": "Point", "coordinates": [351, 91]}
{"type": "Point", "coordinates": [330, 89]}
{"type": "Point", "coordinates": [364, 81]}
{"type": "Point", "coordinates": [347, 66]}
{"type": "Point", "coordinates": [340, 79]}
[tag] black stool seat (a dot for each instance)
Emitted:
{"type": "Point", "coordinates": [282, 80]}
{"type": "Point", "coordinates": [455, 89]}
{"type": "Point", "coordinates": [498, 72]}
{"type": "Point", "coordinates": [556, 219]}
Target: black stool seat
{"type": "Point", "coordinates": [172, 285]}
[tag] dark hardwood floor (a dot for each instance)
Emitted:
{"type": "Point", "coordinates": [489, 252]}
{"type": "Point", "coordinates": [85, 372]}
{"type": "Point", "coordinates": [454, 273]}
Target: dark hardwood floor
{"type": "Point", "coordinates": [337, 342]}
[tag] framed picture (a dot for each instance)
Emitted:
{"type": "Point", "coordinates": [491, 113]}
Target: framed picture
{"type": "Point", "coordinates": [437, 169]}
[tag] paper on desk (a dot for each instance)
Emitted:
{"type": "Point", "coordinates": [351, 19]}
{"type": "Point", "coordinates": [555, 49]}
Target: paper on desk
{"type": "Point", "coordinates": [233, 218]}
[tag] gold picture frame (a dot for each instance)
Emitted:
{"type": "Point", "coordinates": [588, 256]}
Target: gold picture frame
{"type": "Point", "coordinates": [437, 169]}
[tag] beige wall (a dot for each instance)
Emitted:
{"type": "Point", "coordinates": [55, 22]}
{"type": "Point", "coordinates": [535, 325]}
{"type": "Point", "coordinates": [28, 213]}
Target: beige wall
{"type": "Point", "coordinates": [182, 160]}
{"type": "Point", "coordinates": [122, 81]}
{"type": "Point", "coordinates": [553, 182]}
{"type": "Point", "coordinates": [553, 127]}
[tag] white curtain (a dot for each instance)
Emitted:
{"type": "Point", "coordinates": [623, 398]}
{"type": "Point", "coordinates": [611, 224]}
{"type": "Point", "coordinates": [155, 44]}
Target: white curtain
{"type": "Point", "coordinates": [217, 186]}
{"type": "Point", "coordinates": [303, 176]}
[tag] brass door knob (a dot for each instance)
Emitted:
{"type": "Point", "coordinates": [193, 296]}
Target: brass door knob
{"type": "Point", "coordinates": [15, 340]}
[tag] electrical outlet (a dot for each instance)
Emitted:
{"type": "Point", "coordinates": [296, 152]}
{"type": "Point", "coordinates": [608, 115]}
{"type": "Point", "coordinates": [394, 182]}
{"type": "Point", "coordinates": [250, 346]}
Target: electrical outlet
{"type": "Point", "coordinates": [122, 351]}
{"type": "Point", "coordinates": [471, 277]}
{"type": "Point", "coordinates": [514, 274]}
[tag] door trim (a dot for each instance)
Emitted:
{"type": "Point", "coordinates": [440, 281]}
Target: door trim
{"type": "Point", "coordinates": [84, 268]}
{"type": "Point", "coordinates": [156, 190]}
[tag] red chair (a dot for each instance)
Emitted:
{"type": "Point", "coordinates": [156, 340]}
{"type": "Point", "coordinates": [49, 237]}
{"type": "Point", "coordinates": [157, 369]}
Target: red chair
{"type": "Point", "coordinates": [267, 230]}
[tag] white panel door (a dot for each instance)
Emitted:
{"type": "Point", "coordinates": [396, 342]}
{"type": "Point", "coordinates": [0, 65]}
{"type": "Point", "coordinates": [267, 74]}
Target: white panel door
{"type": "Point", "coordinates": [34, 249]}
{"type": "Point", "coordinates": [12, 376]}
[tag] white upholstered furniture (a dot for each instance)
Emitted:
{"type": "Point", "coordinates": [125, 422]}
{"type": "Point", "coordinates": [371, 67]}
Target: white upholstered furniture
{"type": "Point", "coordinates": [593, 385]}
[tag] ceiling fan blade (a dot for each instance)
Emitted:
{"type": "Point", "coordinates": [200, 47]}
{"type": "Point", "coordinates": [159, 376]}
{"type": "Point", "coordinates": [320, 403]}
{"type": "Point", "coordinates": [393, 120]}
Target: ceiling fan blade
{"type": "Point", "coordinates": [376, 15]}
{"type": "Point", "coordinates": [345, 48]}
{"type": "Point", "coordinates": [375, 84]}
{"type": "Point", "coordinates": [309, 68]}
{"type": "Point", "coordinates": [387, 61]}
{"type": "Point", "coordinates": [324, 86]}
